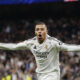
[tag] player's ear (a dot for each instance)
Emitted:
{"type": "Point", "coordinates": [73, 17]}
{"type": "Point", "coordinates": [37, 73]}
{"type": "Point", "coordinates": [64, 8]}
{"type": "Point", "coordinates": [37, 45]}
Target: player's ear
{"type": "Point", "coordinates": [47, 31]}
{"type": "Point", "coordinates": [35, 32]}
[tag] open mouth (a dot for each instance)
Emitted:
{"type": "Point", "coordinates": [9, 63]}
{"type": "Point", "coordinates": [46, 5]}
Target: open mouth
{"type": "Point", "coordinates": [40, 36]}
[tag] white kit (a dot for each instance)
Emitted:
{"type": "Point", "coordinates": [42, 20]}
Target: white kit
{"type": "Point", "coordinates": [46, 55]}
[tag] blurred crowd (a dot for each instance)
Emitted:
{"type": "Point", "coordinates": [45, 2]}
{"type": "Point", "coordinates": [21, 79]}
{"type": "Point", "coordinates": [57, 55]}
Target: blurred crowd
{"type": "Point", "coordinates": [21, 65]}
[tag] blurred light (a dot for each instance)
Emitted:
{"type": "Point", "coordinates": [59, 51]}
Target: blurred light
{"type": "Point", "coordinates": [70, 0]}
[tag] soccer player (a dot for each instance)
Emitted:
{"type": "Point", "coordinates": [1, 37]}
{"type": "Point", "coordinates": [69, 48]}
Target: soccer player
{"type": "Point", "coordinates": [46, 51]}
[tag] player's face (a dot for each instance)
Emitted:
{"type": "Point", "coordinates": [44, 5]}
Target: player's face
{"type": "Point", "coordinates": [41, 31]}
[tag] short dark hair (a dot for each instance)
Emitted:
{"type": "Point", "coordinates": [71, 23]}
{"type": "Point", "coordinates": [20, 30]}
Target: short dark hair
{"type": "Point", "coordinates": [40, 23]}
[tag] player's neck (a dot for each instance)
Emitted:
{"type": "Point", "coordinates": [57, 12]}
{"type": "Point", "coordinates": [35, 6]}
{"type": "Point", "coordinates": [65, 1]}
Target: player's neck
{"type": "Point", "coordinates": [41, 41]}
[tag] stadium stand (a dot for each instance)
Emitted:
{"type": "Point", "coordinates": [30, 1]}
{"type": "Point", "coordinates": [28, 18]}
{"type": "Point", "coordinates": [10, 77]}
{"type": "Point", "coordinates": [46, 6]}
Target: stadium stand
{"type": "Point", "coordinates": [21, 65]}
{"type": "Point", "coordinates": [17, 23]}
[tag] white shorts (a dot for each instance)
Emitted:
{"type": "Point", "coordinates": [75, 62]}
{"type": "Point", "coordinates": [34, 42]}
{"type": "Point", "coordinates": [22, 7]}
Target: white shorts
{"type": "Point", "coordinates": [49, 76]}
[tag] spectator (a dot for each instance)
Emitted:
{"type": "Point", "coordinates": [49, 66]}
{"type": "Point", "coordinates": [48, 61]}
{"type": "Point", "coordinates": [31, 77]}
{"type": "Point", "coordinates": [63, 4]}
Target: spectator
{"type": "Point", "coordinates": [21, 65]}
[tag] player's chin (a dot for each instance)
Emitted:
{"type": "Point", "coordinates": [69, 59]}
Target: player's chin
{"type": "Point", "coordinates": [40, 38]}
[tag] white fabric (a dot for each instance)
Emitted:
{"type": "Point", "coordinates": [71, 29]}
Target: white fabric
{"type": "Point", "coordinates": [46, 54]}
{"type": "Point", "coordinates": [49, 76]}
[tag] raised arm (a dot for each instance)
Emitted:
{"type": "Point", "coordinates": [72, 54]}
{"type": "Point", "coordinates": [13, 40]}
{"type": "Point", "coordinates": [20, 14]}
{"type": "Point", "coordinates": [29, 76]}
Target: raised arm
{"type": "Point", "coordinates": [60, 46]}
{"type": "Point", "coordinates": [69, 47]}
{"type": "Point", "coordinates": [12, 46]}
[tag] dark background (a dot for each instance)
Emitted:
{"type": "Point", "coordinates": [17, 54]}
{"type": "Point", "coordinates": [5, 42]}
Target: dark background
{"type": "Point", "coordinates": [42, 10]}
{"type": "Point", "coordinates": [17, 23]}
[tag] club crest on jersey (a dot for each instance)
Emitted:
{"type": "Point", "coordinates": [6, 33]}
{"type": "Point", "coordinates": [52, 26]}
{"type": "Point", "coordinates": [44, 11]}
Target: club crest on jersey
{"type": "Point", "coordinates": [46, 46]}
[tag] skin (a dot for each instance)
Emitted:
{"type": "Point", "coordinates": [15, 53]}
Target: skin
{"type": "Point", "coordinates": [41, 32]}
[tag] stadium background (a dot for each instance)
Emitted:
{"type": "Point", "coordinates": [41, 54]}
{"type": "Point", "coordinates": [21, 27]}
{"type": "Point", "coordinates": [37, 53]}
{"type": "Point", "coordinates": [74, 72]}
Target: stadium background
{"type": "Point", "coordinates": [17, 22]}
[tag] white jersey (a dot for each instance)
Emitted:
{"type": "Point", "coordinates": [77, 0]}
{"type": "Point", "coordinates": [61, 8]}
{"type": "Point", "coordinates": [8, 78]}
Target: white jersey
{"type": "Point", "coordinates": [46, 54]}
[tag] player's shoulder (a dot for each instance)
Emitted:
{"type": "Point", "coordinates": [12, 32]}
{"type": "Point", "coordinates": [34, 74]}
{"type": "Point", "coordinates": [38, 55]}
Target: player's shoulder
{"type": "Point", "coordinates": [31, 40]}
{"type": "Point", "coordinates": [53, 39]}
{"type": "Point", "coordinates": [34, 38]}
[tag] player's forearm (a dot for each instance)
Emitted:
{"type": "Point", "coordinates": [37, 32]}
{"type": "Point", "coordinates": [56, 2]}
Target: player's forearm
{"type": "Point", "coordinates": [70, 47]}
{"type": "Point", "coordinates": [11, 46]}
{"type": "Point", "coordinates": [7, 46]}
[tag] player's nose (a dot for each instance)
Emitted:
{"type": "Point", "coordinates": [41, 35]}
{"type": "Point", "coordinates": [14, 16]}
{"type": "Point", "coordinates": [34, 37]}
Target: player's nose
{"type": "Point", "coordinates": [39, 31]}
